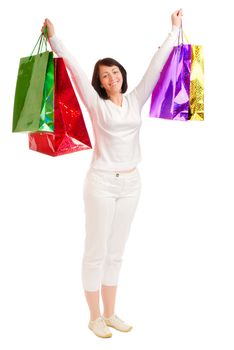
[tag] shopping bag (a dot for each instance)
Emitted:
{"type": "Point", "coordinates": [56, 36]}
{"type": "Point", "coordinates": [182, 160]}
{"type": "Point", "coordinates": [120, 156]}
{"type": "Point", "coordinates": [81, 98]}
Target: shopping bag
{"type": "Point", "coordinates": [196, 111]}
{"type": "Point", "coordinates": [179, 92]}
{"type": "Point", "coordinates": [70, 133]}
{"type": "Point", "coordinates": [170, 97]}
{"type": "Point", "coordinates": [34, 94]}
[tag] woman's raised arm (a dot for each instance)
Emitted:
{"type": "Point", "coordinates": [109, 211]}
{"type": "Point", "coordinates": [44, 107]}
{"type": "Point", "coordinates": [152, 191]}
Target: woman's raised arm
{"type": "Point", "coordinates": [144, 89]}
{"type": "Point", "coordinates": [83, 86]}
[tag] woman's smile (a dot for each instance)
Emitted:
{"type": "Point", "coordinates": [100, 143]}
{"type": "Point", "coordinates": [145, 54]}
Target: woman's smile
{"type": "Point", "coordinates": [114, 83]}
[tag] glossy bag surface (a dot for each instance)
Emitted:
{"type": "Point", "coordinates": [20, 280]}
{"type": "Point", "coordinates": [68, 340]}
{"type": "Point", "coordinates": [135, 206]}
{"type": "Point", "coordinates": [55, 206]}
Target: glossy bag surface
{"type": "Point", "coordinates": [29, 92]}
{"type": "Point", "coordinates": [171, 95]}
{"type": "Point", "coordinates": [196, 110]}
{"type": "Point", "coordinates": [34, 93]}
{"type": "Point", "coordinates": [70, 133]}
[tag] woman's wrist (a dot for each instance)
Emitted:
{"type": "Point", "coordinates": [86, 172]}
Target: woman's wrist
{"type": "Point", "coordinates": [175, 28]}
{"type": "Point", "coordinates": [52, 36]}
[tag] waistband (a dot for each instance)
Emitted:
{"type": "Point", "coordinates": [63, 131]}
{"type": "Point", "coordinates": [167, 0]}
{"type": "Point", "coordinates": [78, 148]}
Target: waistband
{"type": "Point", "coordinates": [114, 173]}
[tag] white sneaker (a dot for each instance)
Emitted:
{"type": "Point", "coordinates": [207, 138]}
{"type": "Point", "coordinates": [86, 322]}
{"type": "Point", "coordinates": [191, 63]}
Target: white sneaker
{"type": "Point", "coordinates": [100, 328]}
{"type": "Point", "coordinates": [115, 322]}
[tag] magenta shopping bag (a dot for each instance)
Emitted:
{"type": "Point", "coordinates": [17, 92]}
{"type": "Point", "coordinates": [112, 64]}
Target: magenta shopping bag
{"type": "Point", "coordinates": [170, 97]}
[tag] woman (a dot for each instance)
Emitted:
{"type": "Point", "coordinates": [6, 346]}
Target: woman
{"type": "Point", "coordinates": [112, 185]}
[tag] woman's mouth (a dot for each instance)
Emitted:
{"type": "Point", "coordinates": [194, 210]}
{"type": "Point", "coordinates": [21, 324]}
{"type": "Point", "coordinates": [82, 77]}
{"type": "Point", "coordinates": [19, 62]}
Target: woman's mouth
{"type": "Point", "coordinates": [114, 83]}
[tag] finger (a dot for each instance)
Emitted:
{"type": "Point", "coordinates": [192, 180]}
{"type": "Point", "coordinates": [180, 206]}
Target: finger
{"type": "Point", "coordinates": [177, 12]}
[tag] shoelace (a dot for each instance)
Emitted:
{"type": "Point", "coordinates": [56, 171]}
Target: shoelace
{"type": "Point", "coordinates": [101, 323]}
{"type": "Point", "coordinates": [119, 320]}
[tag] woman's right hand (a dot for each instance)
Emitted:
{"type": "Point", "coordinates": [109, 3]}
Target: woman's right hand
{"type": "Point", "coordinates": [176, 18]}
{"type": "Point", "coordinates": [50, 27]}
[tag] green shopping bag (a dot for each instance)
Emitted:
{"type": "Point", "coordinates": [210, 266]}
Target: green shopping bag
{"type": "Point", "coordinates": [34, 94]}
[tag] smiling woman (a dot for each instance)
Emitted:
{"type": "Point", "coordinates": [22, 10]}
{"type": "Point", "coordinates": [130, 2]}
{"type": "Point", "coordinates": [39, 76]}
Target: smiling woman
{"type": "Point", "coordinates": [110, 79]}
{"type": "Point", "coordinates": [111, 82]}
{"type": "Point", "coordinates": [112, 185]}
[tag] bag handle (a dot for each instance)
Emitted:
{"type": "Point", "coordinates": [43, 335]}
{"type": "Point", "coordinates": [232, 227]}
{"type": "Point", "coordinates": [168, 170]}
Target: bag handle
{"type": "Point", "coordinates": [182, 35]}
{"type": "Point", "coordinates": [41, 42]}
{"type": "Point", "coordinates": [44, 40]}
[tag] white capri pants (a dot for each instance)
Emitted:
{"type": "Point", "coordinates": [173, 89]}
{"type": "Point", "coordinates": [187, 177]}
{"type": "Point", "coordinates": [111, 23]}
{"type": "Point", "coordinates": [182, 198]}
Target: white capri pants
{"type": "Point", "coordinates": [110, 202]}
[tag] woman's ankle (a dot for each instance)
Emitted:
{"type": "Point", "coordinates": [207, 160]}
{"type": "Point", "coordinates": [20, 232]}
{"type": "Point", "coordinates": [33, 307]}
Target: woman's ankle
{"type": "Point", "coordinates": [93, 317]}
{"type": "Point", "coordinates": [107, 314]}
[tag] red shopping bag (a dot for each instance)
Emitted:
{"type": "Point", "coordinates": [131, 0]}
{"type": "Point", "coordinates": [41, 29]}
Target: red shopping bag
{"type": "Point", "coordinates": [70, 133]}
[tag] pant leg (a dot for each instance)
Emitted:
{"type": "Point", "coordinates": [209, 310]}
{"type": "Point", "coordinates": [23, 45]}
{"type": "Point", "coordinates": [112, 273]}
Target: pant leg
{"type": "Point", "coordinates": [99, 212]}
{"type": "Point", "coordinates": [124, 213]}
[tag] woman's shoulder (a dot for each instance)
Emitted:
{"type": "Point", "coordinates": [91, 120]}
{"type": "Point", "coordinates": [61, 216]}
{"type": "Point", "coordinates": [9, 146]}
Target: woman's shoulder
{"type": "Point", "coordinates": [132, 95]}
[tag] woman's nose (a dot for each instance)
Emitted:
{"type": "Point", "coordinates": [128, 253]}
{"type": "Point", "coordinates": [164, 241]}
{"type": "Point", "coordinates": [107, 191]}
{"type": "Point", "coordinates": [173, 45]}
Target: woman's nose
{"type": "Point", "coordinates": [111, 77]}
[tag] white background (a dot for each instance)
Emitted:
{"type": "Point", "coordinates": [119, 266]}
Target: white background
{"type": "Point", "coordinates": [176, 282]}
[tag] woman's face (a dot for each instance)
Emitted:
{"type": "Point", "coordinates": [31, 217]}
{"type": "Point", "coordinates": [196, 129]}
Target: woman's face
{"type": "Point", "coordinates": [111, 79]}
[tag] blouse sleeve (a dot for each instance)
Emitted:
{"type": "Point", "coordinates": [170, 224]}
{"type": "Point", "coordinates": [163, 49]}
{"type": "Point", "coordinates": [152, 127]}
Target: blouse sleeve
{"type": "Point", "coordinates": [144, 89]}
{"type": "Point", "coordinates": [82, 84]}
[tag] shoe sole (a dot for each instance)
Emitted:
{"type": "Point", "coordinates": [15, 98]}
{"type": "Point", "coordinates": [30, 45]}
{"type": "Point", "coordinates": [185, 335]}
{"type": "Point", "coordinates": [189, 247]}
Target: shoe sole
{"type": "Point", "coordinates": [121, 330]}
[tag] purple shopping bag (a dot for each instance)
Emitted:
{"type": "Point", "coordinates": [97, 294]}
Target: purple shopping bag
{"type": "Point", "coordinates": [170, 97]}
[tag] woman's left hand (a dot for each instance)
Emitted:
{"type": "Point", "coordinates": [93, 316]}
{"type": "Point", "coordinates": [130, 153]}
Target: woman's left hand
{"type": "Point", "coordinates": [176, 18]}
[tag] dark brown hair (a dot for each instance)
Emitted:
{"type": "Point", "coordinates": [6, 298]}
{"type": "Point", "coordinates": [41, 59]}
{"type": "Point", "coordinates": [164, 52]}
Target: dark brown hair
{"type": "Point", "coordinates": [96, 81]}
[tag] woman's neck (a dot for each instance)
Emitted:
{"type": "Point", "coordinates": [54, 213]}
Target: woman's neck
{"type": "Point", "coordinates": [117, 99]}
